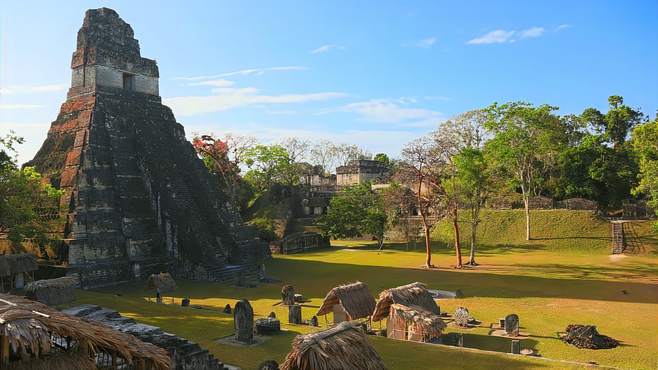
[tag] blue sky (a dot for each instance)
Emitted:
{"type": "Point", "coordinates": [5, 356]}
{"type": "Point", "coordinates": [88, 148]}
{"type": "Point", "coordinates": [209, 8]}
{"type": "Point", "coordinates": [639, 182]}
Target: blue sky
{"type": "Point", "coordinates": [376, 73]}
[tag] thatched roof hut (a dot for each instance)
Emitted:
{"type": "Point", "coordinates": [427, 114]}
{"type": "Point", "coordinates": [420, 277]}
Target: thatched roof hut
{"type": "Point", "coordinates": [163, 281]}
{"type": "Point", "coordinates": [37, 337]}
{"type": "Point", "coordinates": [52, 292]}
{"type": "Point", "coordinates": [411, 311]}
{"type": "Point", "coordinates": [344, 346]}
{"type": "Point", "coordinates": [11, 264]}
{"type": "Point", "coordinates": [348, 302]}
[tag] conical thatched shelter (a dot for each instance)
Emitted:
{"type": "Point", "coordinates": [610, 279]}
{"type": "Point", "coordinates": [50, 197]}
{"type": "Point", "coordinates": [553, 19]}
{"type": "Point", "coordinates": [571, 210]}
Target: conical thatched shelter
{"type": "Point", "coordinates": [163, 281]}
{"type": "Point", "coordinates": [411, 311]}
{"type": "Point", "coordinates": [52, 292]}
{"type": "Point", "coordinates": [348, 302]}
{"type": "Point", "coordinates": [342, 347]}
{"type": "Point", "coordinates": [36, 337]}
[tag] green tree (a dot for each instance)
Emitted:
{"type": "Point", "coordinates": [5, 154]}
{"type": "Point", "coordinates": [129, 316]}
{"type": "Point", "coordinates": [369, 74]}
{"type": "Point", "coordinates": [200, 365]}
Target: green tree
{"type": "Point", "coordinates": [382, 157]}
{"type": "Point", "coordinates": [269, 165]}
{"type": "Point", "coordinates": [473, 181]}
{"type": "Point", "coordinates": [525, 146]}
{"type": "Point", "coordinates": [421, 169]}
{"type": "Point", "coordinates": [645, 144]}
{"type": "Point", "coordinates": [599, 163]}
{"type": "Point", "coordinates": [24, 199]}
{"type": "Point", "coordinates": [356, 211]}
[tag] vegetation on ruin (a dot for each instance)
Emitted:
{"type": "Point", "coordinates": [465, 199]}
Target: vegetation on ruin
{"type": "Point", "coordinates": [27, 206]}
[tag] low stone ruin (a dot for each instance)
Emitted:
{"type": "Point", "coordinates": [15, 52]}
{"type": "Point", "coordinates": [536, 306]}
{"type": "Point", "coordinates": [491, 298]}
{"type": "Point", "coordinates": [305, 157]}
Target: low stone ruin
{"type": "Point", "coordinates": [243, 319]}
{"type": "Point", "coordinates": [586, 336]}
{"type": "Point", "coordinates": [185, 355]}
{"type": "Point", "coordinates": [267, 326]}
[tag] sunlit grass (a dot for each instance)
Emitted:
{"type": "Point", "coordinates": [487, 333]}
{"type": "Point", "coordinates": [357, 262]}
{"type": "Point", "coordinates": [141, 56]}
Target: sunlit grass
{"type": "Point", "coordinates": [548, 288]}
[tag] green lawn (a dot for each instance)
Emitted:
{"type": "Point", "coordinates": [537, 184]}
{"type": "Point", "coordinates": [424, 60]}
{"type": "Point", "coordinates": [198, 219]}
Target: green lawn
{"type": "Point", "coordinates": [549, 285]}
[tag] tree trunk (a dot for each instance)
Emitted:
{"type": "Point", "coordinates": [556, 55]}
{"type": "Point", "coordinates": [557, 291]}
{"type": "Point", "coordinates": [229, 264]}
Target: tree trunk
{"type": "Point", "coordinates": [458, 248]}
{"type": "Point", "coordinates": [526, 203]}
{"type": "Point", "coordinates": [380, 241]}
{"type": "Point", "coordinates": [428, 250]}
{"type": "Point", "coordinates": [471, 258]}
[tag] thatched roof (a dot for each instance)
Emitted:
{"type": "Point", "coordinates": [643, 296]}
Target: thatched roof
{"type": "Point", "coordinates": [428, 323]}
{"type": "Point", "coordinates": [355, 298]}
{"type": "Point", "coordinates": [410, 295]}
{"type": "Point", "coordinates": [342, 347]}
{"type": "Point", "coordinates": [52, 291]}
{"type": "Point", "coordinates": [32, 326]}
{"type": "Point", "coordinates": [14, 263]}
{"type": "Point", "coordinates": [163, 281]}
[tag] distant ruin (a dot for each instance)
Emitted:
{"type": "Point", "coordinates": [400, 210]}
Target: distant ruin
{"type": "Point", "coordinates": [137, 198]}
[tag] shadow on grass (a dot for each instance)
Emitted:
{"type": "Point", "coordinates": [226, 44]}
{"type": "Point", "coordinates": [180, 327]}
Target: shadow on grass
{"type": "Point", "coordinates": [315, 279]}
{"type": "Point", "coordinates": [488, 342]}
{"type": "Point", "coordinates": [442, 248]}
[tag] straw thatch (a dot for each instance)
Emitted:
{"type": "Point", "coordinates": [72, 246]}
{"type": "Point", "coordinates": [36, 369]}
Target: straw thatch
{"type": "Point", "coordinates": [414, 294]}
{"type": "Point", "coordinates": [11, 264]}
{"type": "Point", "coordinates": [342, 347]}
{"type": "Point", "coordinates": [163, 281]}
{"type": "Point", "coordinates": [52, 292]}
{"type": "Point", "coordinates": [411, 311]}
{"type": "Point", "coordinates": [420, 324]}
{"type": "Point", "coordinates": [36, 329]}
{"type": "Point", "coordinates": [355, 299]}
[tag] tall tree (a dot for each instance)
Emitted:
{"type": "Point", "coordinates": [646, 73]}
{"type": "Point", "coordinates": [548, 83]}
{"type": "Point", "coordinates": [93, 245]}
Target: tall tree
{"type": "Point", "coordinates": [215, 154]}
{"type": "Point", "coordinates": [473, 180]}
{"type": "Point", "coordinates": [525, 144]}
{"type": "Point", "coordinates": [298, 149]}
{"type": "Point", "coordinates": [645, 144]}
{"type": "Point", "coordinates": [269, 165]}
{"type": "Point", "coordinates": [466, 131]}
{"type": "Point", "coordinates": [420, 168]}
{"type": "Point", "coordinates": [599, 163]}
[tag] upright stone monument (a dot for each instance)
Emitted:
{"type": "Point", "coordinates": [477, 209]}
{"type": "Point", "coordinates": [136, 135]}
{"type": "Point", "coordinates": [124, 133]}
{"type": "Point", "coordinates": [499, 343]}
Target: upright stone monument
{"type": "Point", "coordinates": [512, 325]}
{"type": "Point", "coordinates": [462, 316]}
{"type": "Point", "coordinates": [137, 199]}
{"type": "Point", "coordinates": [288, 295]}
{"type": "Point", "coordinates": [243, 319]}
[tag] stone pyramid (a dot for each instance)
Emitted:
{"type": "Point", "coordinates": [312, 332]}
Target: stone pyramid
{"type": "Point", "coordinates": [137, 198]}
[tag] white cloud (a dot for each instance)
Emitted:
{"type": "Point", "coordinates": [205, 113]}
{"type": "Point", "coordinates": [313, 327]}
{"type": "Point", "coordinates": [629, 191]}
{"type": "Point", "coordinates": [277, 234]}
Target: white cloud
{"type": "Point", "coordinates": [327, 47]}
{"type": "Point", "coordinates": [19, 106]}
{"type": "Point", "coordinates": [493, 37]}
{"type": "Point", "coordinates": [243, 72]}
{"type": "Point", "coordinates": [562, 27]}
{"type": "Point", "coordinates": [229, 98]}
{"type": "Point", "coordinates": [395, 111]}
{"type": "Point", "coordinates": [32, 89]}
{"type": "Point", "coordinates": [504, 36]}
{"type": "Point", "coordinates": [532, 32]}
{"type": "Point", "coordinates": [426, 43]}
{"type": "Point", "coordinates": [220, 83]}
